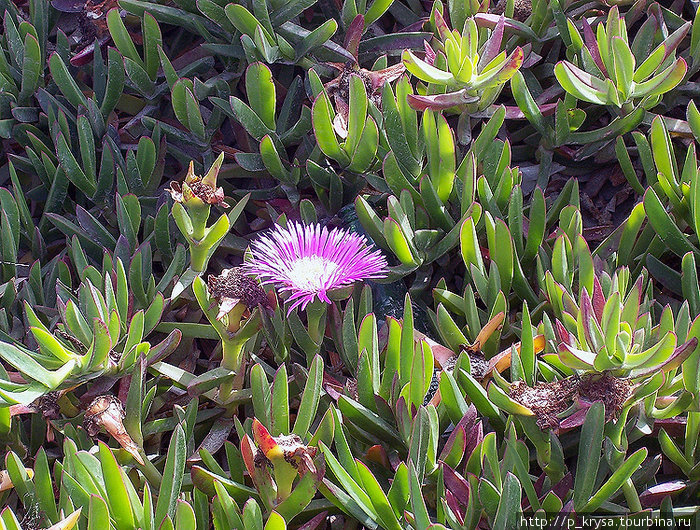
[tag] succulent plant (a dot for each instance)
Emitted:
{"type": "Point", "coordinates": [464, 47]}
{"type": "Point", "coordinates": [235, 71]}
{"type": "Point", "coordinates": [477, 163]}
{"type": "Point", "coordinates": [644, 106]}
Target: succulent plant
{"type": "Point", "coordinates": [608, 72]}
{"type": "Point", "coordinates": [466, 71]}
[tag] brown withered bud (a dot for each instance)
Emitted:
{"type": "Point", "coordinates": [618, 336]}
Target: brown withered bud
{"type": "Point", "coordinates": [195, 188]}
{"type": "Point", "coordinates": [79, 346]}
{"type": "Point", "coordinates": [46, 405]}
{"type": "Point", "coordinates": [339, 89]}
{"type": "Point", "coordinates": [232, 287]}
{"type": "Point", "coordinates": [107, 412]}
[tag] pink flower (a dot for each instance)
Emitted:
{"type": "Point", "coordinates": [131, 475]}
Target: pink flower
{"type": "Point", "coordinates": [309, 261]}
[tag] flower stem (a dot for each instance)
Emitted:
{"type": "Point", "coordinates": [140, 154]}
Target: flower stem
{"type": "Point", "coordinates": [198, 257]}
{"type": "Point", "coordinates": [149, 471]}
{"type": "Point", "coordinates": [232, 360]}
{"type": "Point", "coordinates": [316, 319]}
{"type": "Point", "coordinates": [200, 215]}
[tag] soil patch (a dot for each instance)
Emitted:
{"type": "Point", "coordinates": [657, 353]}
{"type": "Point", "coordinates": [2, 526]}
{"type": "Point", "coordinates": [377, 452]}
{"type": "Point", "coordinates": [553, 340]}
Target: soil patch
{"type": "Point", "coordinates": [546, 400]}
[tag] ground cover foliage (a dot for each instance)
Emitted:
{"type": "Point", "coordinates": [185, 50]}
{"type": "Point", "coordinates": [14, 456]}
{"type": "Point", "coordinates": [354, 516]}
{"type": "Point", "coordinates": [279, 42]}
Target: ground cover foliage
{"type": "Point", "coordinates": [517, 333]}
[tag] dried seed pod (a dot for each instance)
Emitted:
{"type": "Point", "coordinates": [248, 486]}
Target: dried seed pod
{"type": "Point", "coordinates": [107, 412]}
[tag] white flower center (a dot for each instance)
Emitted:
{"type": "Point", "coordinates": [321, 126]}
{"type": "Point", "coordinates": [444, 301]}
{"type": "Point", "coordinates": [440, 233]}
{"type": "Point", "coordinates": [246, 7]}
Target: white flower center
{"type": "Point", "coordinates": [310, 273]}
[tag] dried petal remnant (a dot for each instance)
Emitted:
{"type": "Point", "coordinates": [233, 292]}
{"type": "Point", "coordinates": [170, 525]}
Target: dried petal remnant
{"type": "Point", "coordinates": [48, 405]}
{"type": "Point", "coordinates": [106, 411]}
{"type": "Point", "coordinates": [289, 448]}
{"type": "Point", "coordinates": [232, 287]}
{"type": "Point", "coordinates": [197, 188]}
{"type": "Point", "coordinates": [202, 188]}
{"type": "Point", "coordinates": [339, 88]}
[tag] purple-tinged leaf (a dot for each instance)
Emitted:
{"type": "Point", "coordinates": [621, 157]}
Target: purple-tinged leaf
{"type": "Point", "coordinates": [354, 35]}
{"type": "Point", "coordinates": [590, 320]}
{"type": "Point", "coordinates": [493, 45]}
{"type": "Point", "coordinates": [539, 484]}
{"type": "Point", "coordinates": [565, 519]}
{"type": "Point", "coordinates": [575, 358]}
{"type": "Point", "coordinates": [574, 420]}
{"type": "Point", "coordinates": [562, 488]}
{"type": "Point", "coordinates": [459, 436]}
{"type": "Point", "coordinates": [599, 299]}
{"type": "Point", "coordinates": [674, 39]}
{"type": "Point", "coordinates": [474, 438]}
{"type": "Point", "coordinates": [581, 84]}
{"type": "Point", "coordinates": [442, 27]}
{"type": "Point", "coordinates": [416, 26]}
{"type": "Point", "coordinates": [429, 53]}
{"type": "Point", "coordinates": [453, 505]}
{"type": "Point", "coordinates": [653, 496]}
{"type": "Point", "coordinates": [318, 521]}
{"type": "Point", "coordinates": [663, 82]}
{"type": "Point", "coordinates": [563, 334]}
{"type": "Point", "coordinates": [85, 55]}
{"type": "Point", "coordinates": [456, 484]}
{"type": "Point", "coordinates": [500, 75]}
{"type": "Point", "coordinates": [680, 354]}
{"type": "Point", "coordinates": [531, 59]}
{"type": "Point", "coordinates": [592, 45]}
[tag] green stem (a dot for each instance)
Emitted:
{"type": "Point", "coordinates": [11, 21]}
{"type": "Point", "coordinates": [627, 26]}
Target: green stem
{"type": "Point", "coordinates": [232, 357]}
{"type": "Point", "coordinates": [627, 108]}
{"type": "Point", "coordinates": [198, 257]}
{"type": "Point", "coordinates": [200, 215]}
{"type": "Point", "coordinates": [617, 429]}
{"type": "Point", "coordinates": [284, 478]}
{"type": "Point", "coordinates": [316, 319]}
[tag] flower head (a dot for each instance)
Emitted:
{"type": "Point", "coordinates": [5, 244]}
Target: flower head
{"type": "Point", "coordinates": [309, 261]}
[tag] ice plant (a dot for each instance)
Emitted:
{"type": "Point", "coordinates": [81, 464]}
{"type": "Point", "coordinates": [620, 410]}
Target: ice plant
{"type": "Point", "coordinates": [610, 73]}
{"type": "Point", "coordinates": [193, 200]}
{"type": "Point", "coordinates": [230, 302]}
{"type": "Point", "coordinates": [310, 262]}
{"type": "Point", "coordinates": [473, 71]}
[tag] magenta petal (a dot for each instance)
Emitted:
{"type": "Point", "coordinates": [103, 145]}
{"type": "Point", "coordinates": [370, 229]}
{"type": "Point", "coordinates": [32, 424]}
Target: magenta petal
{"type": "Point", "coordinates": [307, 261]}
